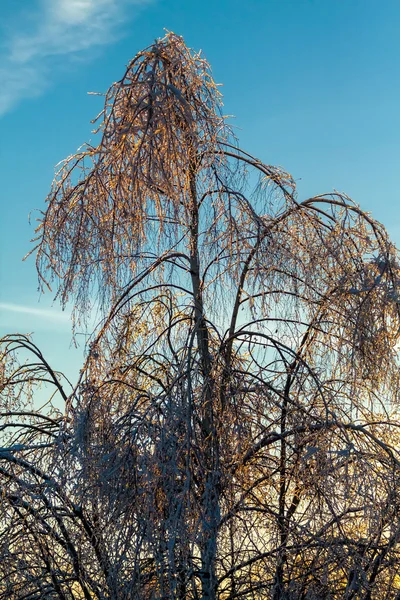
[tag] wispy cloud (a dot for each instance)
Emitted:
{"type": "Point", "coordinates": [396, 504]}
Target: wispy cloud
{"type": "Point", "coordinates": [41, 313]}
{"type": "Point", "coordinates": [50, 35]}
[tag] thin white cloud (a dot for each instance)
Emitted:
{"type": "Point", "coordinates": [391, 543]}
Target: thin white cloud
{"type": "Point", "coordinates": [41, 43]}
{"type": "Point", "coordinates": [41, 313]}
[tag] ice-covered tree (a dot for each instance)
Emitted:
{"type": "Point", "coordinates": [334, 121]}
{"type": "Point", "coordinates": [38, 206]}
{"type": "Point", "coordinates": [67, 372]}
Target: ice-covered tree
{"type": "Point", "coordinates": [233, 433]}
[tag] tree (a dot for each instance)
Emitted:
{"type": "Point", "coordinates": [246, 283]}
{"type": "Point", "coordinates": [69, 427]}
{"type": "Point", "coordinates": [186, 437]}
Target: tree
{"type": "Point", "coordinates": [233, 433]}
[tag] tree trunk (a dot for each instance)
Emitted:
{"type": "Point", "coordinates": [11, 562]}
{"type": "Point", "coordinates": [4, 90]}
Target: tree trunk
{"type": "Point", "coordinates": [210, 484]}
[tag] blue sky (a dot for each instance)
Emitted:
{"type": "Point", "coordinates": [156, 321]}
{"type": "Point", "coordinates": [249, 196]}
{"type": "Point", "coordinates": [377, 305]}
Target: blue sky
{"type": "Point", "coordinates": [313, 84]}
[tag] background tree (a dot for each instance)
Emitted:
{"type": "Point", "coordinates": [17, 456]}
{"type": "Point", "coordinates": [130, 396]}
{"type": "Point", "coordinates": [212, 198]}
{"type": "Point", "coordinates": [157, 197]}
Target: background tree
{"type": "Point", "coordinates": [233, 433]}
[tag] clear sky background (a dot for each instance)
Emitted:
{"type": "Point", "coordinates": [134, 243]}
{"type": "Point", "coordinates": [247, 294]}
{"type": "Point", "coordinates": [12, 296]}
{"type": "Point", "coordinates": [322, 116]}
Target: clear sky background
{"type": "Point", "coordinates": [313, 84]}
